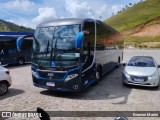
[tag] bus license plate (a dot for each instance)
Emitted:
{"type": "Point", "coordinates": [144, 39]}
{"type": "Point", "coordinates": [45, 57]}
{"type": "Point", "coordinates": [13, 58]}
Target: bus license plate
{"type": "Point", "coordinates": [52, 84]}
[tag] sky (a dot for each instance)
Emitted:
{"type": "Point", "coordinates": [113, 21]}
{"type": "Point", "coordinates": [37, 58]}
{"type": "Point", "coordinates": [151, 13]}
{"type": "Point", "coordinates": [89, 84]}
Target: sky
{"type": "Point", "coordinates": [30, 13]}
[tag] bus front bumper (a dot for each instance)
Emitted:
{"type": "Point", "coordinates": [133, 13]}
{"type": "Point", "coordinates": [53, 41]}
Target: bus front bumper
{"type": "Point", "coordinates": [69, 86]}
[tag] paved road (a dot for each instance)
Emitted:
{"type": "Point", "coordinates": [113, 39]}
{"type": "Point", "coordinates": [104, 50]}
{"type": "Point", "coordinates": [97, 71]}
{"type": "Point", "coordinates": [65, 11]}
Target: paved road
{"type": "Point", "coordinates": [108, 95]}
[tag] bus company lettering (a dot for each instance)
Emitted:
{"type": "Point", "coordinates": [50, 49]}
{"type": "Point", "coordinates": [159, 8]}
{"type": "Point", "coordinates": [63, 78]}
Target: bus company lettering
{"type": "Point", "coordinates": [13, 51]}
{"type": "Point", "coordinates": [2, 52]}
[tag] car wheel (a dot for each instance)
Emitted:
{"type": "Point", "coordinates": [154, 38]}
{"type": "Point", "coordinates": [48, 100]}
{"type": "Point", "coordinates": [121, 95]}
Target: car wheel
{"type": "Point", "coordinates": [124, 84]}
{"type": "Point", "coordinates": [21, 61]}
{"type": "Point", "coordinates": [3, 88]}
{"type": "Point", "coordinates": [157, 87]}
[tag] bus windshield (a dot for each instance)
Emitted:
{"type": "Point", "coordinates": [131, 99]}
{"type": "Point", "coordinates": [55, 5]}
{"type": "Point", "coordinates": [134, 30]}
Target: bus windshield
{"type": "Point", "coordinates": [56, 44]}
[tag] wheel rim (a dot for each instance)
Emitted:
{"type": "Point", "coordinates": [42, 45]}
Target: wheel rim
{"type": "Point", "coordinates": [97, 75]}
{"type": "Point", "coordinates": [3, 88]}
{"type": "Point", "coordinates": [20, 61]}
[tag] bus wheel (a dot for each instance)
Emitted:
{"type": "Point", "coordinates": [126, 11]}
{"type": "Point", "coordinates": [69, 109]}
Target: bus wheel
{"type": "Point", "coordinates": [98, 75]}
{"type": "Point", "coordinates": [20, 61]}
{"type": "Point", "coordinates": [3, 88]}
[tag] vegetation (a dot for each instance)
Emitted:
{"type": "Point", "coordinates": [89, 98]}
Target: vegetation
{"type": "Point", "coordinates": [8, 26]}
{"type": "Point", "coordinates": [136, 15]}
{"type": "Point", "coordinates": [134, 19]}
{"type": "Point", "coordinates": [134, 39]}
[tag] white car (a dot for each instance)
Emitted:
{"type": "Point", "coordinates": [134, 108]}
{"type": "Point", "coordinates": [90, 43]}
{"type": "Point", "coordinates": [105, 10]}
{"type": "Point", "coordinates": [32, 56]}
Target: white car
{"type": "Point", "coordinates": [5, 80]}
{"type": "Point", "coordinates": [142, 71]}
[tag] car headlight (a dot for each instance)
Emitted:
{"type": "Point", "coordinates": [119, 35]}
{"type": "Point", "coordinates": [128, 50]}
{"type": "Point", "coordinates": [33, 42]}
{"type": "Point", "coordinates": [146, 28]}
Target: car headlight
{"type": "Point", "coordinates": [154, 75]}
{"type": "Point", "coordinates": [126, 74]}
{"type": "Point", "coordinates": [71, 76]}
{"type": "Point", "coordinates": [35, 74]}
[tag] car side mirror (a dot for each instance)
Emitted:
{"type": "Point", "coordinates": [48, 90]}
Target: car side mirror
{"type": "Point", "coordinates": [124, 64]}
{"type": "Point", "coordinates": [158, 66]}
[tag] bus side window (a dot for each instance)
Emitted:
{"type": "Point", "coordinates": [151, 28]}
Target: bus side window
{"type": "Point", "coordinates": [1, 45]}
{"type": "Point", "coordinates": [10, 44]}
{"type": "Point", "coordinates": [27, 44]}
{"type": "Point", "coordinates": [88, 44]}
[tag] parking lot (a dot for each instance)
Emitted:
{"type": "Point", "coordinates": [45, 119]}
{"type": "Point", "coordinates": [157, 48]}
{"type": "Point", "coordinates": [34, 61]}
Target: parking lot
{"type": "Point", "coordinates": [108, 95]}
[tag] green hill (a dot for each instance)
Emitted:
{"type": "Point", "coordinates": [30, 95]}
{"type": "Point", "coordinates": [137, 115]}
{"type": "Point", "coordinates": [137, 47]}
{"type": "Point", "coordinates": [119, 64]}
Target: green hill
{"type": "Point", "coordinates": [136, 15]}
{"type": "Point", "coordinates": [139, 24]}
{"type": "Point", "coordinates": [8, 26]}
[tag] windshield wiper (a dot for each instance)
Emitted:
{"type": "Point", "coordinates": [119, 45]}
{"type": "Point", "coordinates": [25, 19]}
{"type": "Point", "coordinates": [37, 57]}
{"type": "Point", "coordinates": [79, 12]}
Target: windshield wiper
{"type": "Point", "coordinates": [47, 48]}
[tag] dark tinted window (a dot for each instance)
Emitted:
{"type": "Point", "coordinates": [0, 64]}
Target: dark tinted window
{"type": "Point", "coordinates": [88, 44]}
{"type": "Point", "coordinates": [27, 44]}
{"type": "Point", "coordinates": [141, 62]}
{"type": "Point", "coordinates": [10, 44]}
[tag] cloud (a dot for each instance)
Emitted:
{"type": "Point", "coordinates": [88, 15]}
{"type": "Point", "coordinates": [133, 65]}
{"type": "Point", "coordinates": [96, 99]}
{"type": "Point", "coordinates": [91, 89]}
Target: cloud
{"type": "Point", "coordinates": [101, 11]}
{"type": "Point", "coordinates": [116, 8]}
{"type": "Point", "coordinates": [77, 9]}
{"type": "Point", "coordinates": [45, 14]}
{"type": "Point", "coordinates": [83, 9]}
{"type": "Point", "coordinates": [20, 4]}
{"type": "Point", "coordinates": [10, 20]}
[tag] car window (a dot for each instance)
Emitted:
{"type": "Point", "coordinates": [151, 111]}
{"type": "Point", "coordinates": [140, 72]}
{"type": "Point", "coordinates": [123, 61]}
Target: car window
{"type": "Point", "coordinates": [142, 62]}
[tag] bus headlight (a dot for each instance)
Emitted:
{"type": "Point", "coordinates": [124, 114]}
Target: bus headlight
{"type": "Point", "coordinates": [35, 74]}
{"type": "Point", "coordinates": [71, 76]}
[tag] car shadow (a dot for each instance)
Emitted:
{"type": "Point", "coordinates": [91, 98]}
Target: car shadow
{"type": "Point", "coordinates": [17, 66]}
{"type": "Point", "coordinates": [143, 87]}
{"type": "Point", "coordinates": [12, 92]}
{"type": "Point", "coordinates": [110, 87]}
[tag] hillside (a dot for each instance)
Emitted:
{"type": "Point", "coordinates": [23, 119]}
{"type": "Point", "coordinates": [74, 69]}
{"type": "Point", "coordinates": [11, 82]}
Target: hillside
{"type": "Point", "coordinates": [8, 26]}
{"type": "Point", "coordinates": [140, 24]}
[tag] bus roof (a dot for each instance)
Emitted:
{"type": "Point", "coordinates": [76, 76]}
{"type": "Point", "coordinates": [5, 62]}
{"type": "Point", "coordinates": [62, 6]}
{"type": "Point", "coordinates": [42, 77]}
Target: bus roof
{"type": "Point", "coordinates": [65, 21]}
{"type": "Point", "coordinates": [11, 38]}
{"type": "Point", "coordinates": [17, 34]}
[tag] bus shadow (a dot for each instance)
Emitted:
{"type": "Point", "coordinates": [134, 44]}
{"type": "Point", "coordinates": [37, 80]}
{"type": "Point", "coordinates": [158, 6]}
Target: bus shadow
{"type": "Point", "coordinates": [17, 66]}
{"type": "Point", "coordinates": [12, 92]}
{"type": "Point", "coordinates": [110, 87]}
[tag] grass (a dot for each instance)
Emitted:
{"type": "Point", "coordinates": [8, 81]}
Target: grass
{"type": "Point", "coordinates": [138, 40]}
{"type": "Point", "coordinates": [142, 42]}
{"type": "Point", "coordinates": [138, 14]}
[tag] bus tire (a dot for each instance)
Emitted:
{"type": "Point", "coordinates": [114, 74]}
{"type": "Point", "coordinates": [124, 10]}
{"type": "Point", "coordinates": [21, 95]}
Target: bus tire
{"type": "Point", "coordinates": [98, 75]}
{"type": "Point", "coordinates": [3, 88]}
{"type": "Point", "coordinates": [21, 61]}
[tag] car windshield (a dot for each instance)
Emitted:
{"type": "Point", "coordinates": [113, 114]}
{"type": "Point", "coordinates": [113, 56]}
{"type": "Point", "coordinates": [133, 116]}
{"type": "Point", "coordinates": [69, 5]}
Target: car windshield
{"type": "Point", "coordinates": [55, 46]}
{"type": "Point", "coordinates": [141, 62]}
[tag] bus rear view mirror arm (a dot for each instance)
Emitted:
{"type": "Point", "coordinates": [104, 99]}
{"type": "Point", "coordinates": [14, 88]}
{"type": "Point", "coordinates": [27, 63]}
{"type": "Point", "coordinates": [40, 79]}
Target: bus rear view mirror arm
{"type": "Point", "coordinates": [86, 32]}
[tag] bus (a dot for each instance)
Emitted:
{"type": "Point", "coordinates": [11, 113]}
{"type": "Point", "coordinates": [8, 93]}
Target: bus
{"type": "Point", "coordinates": [71, 54]}
{"type": "Point", "coordinates": [9, 54]}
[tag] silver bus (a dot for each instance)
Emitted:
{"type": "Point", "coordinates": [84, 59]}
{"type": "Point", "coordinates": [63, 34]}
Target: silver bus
{"type": "Point", "coordinates": [71, 54]}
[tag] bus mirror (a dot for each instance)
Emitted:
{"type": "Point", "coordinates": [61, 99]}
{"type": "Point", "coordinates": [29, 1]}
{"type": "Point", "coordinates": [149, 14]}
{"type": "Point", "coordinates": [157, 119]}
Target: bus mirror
{"type": "Point", "coordinates": [79, 40]}
{"type": "Point", "coordinates": [20, 40]}
{"type": "Point", "coordinates": [19, 43]}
